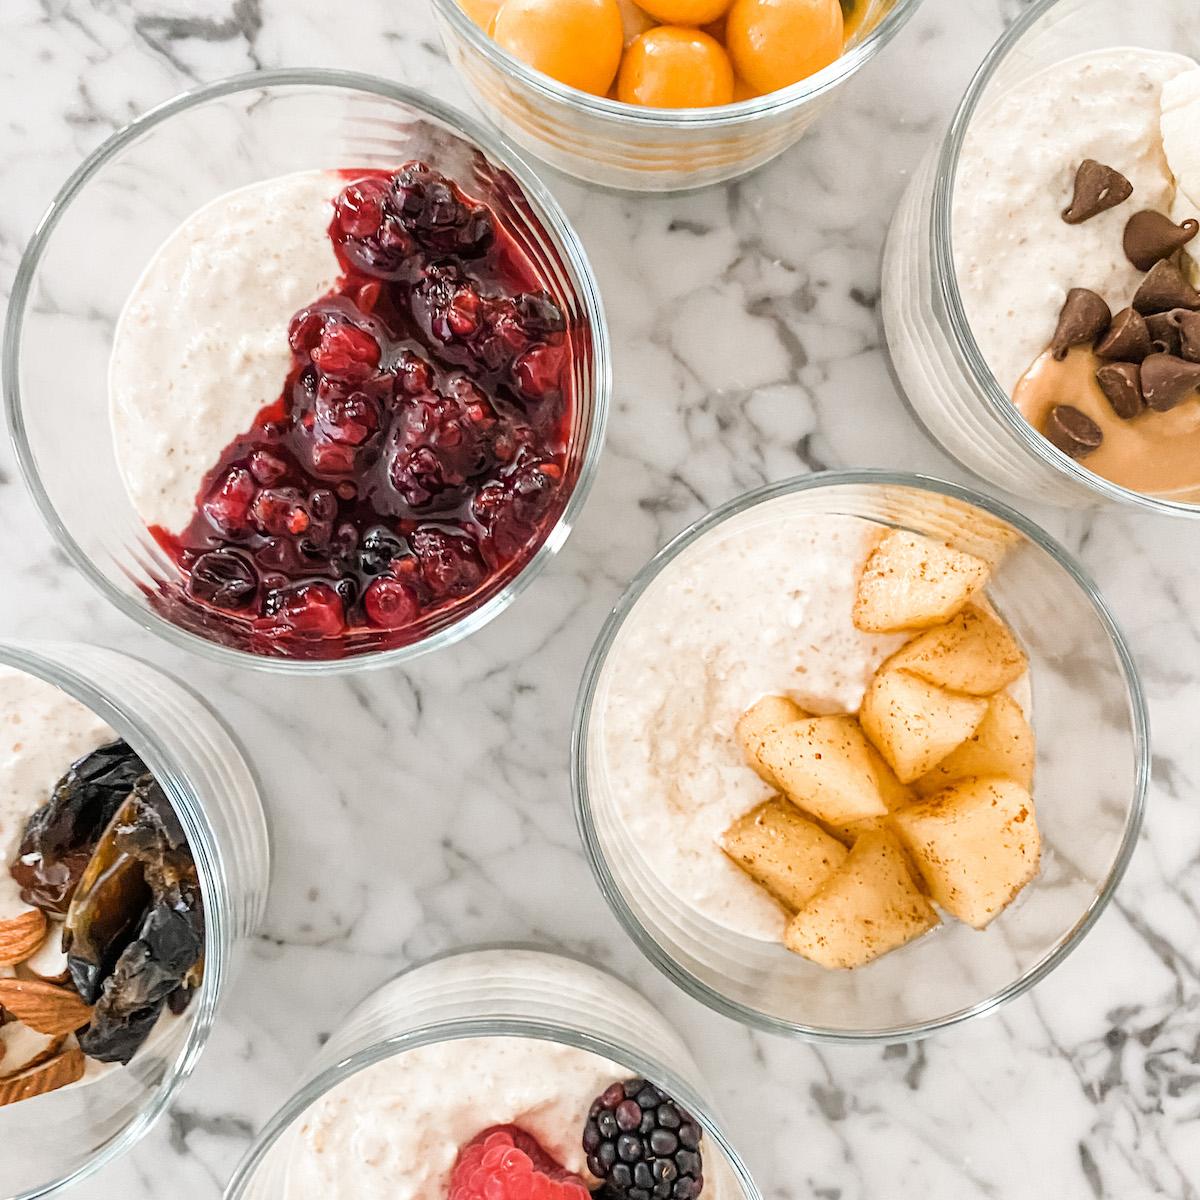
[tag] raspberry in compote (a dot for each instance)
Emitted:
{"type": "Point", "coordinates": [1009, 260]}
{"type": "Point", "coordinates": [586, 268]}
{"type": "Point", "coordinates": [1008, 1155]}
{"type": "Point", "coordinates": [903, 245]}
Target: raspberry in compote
{"type": "Point", "coordinates": [417, 454]}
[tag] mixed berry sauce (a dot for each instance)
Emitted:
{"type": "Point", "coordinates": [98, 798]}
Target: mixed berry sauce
{"type": "Point", "coordinates": [417, 454]}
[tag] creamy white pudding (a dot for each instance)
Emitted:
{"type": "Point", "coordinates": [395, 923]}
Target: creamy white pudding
{"type": "Point", "coordinates": [201, 346]}
{"type": "Point", "coordinates": [761, 606]}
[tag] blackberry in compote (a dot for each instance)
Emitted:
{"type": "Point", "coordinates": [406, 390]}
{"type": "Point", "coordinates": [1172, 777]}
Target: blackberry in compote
{"type": "Point", "coordinates": [417, 453]}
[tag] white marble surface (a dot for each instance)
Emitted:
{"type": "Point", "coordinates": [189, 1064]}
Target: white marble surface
{"type": "Point", "coordinates": [419, 810]}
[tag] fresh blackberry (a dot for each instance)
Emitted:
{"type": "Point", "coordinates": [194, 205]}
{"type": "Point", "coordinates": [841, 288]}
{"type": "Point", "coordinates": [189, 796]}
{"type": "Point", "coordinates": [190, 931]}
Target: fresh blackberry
{"type": "Point", "coordinates": [643, 1145]}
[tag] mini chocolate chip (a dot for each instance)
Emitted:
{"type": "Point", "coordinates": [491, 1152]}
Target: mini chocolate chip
{"type": "Point", "coordinates": [1121, 384]}
{"type": "Point", "coordinates": [1150, 237]}
{"type": "Point", "coordinates": [1097, 189]}
{"type": "Point", "coordinates": [1073, 431]}
{"type": "Point", "coordinates": [1164, 331]}
{"type": "Point", "coordinates": [1127, 338]}
{"type": "Point", "coordinates": [1165, 288]}
{"type": "Point", "coordinates": [1168, 381]}
{"type": "Point", "coordinates": [1084, 317]}
{"type": "Point", "coordinates": [1189, 333]}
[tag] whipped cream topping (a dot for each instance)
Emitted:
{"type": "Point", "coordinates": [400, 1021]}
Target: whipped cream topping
{"type": "Point", "coordinates": [1015, 258]}
{"type": "Point", "coordinates": [201, 346]}
{"type": "Point", "coordinates": [760, 606]}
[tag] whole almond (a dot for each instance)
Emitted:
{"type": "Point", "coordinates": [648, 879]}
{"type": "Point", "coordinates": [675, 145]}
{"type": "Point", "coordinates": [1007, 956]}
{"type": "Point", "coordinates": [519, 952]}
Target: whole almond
{"type": "Point", "coordinates": [44, 1007]}
{"type": "Point", "coordinates": [46, 1077]}
{"type": "Point", "coordinates": [21, 936]}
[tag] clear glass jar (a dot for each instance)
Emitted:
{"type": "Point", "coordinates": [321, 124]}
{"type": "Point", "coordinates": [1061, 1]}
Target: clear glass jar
{"type": "Point", "coordinates": [114, 213]}
{"type": "Point", "coordinates": [942, 372]}
{"type": "Point", "coordinates": [1089, 716]}
{"type": "Point", "coordinates": [64, 1136]}
{"type": "Point", "coordinates": [497, 992]}
{"type": "Point", "coordinates": [650, 150]}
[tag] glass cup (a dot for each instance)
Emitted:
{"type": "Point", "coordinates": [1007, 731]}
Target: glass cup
{"type": "Point", "coordinates": [498, 992]}
{"type": "Point", "coordinates": [64, 1136]}
{"type": "Point", "coordinates": [1088, 713]}
{"type": "Point", "coordinates": [112, 216]}
{"type": "Point", "coordinates": [935, 355]}
{"type": "Point", "coordinates": [617, 145]}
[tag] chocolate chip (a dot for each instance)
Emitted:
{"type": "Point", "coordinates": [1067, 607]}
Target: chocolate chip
{"type": "Point", "coordinates": [1073, 431]}
{"type": "Point", "coordinates": [1163, 289]}
{"type": "Point", "coordinates": [1127, 338]}
{"type": "Point", "coordinates": [1097, 189]}
{"type": "Point", "coordinates": [1121, 384]}
{"type": "Point", "coordinates": [1150, 237]}
{"type": "Point", "coordinates": [1164, 331]}
{"type": "Point", "coordinates": [1084, 317]}
{"type": "Point", "coordinates": [1189, 333]}
{"type": "Point", "coordinates": [1168, 381]}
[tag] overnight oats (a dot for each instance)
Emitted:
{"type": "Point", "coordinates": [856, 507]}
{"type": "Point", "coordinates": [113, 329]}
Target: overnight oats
{"type": "Point", "coordinates": [121, 900]}
{"type": "Point", "coordinates": [342, 403]}
{"type": "Point", "coordinates": [1069, 187]}
{"type": "Point", "coordinates": [101, 919]}
{"type": "Point", "coordinates": [341, 381]}
{"type": "Point", "coordinates": [497, 1074]}
{"type": "Point", "coordinates": [806, 753]}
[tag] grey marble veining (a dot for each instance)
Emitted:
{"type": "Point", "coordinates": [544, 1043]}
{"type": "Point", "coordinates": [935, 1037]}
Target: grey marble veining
{"type": "Point", "coordinates": [419, 810]}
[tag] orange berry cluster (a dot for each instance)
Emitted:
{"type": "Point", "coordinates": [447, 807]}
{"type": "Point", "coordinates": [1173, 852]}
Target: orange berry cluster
{"type": "Point", "coordinates": [668, 53]}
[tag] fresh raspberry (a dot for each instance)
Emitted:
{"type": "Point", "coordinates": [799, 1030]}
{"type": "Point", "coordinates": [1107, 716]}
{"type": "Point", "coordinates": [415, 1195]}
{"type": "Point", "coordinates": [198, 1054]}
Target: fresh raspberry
{"type": "Point", "coordinates": [506, 1163]}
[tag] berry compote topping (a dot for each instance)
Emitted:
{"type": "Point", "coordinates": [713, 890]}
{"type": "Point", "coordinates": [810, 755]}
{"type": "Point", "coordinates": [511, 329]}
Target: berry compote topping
{"type": "Point", "coordinates": [506, 1163]}
{"type": "Point", "coordinates": [417, 455]}
{"type": "Point", "coordinates": [643, 1145]}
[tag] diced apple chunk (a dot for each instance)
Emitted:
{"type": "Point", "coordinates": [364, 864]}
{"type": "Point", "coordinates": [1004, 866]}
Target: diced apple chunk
{"type": "Point", "coordinates": [973, 652]}
{"type": "Point", "coordinates": [893, 793]}
{"type": "Point", "coordinates": [1002, 745]}
{"type": "Point", "coordinates": [913, 582]}
{"type": "Point", "coordinates": [783, 852]}
{"type": "Point", "coordinates": [976, 845]}
{"type": "Point", "coordinates": [823, 764]}
{"type": "Point", "coordinates": [914, 724]}
{"type": "Point", "coordinates": [759, 722]}
{"type": "Point", "coordinates": [869, 906]}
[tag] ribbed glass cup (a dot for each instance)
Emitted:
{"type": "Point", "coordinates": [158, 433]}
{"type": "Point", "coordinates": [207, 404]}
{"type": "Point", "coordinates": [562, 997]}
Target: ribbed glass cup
{"type": "Point", "coordinates": [623, 146]}
{"type": "Point", "coordinates": [940, 367]}
{"type": "Point", "coordinates": [112, 216]}
{"type": "Point", "coordinates": [62, 1137]}
{"type": "Point", "coordinates": [510, 992]}
{"type": "Point", "coordinates": [1089, 715]}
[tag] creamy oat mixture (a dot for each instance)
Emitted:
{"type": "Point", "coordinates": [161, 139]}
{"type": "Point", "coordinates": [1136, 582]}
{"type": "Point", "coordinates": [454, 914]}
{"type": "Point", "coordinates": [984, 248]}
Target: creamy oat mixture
{"type": "Point", "coordinates": [42, 732]}
{"type": "Point", "coordinates": [762, 606]}
{"type": "Point", "coordinates": [393, 1131]}
{"type": "Point", "coordinates": [201, 346]}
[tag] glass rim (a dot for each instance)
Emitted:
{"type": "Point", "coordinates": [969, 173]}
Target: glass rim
{"type": "Point", "coordinates": [25, 656]}
{"type": "Point", "coordinates": [963, 341]}
{"type": "Point", "coordinates": [314, 1087]}
{"type": "Point", "coordinates": [597, 658]}
{"type": "Point", "coordinates": [547, 211]}
{"type": "Point", "coordinates": [739, 112]}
